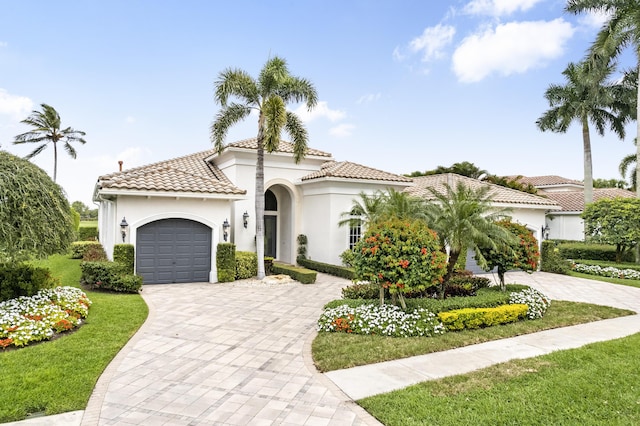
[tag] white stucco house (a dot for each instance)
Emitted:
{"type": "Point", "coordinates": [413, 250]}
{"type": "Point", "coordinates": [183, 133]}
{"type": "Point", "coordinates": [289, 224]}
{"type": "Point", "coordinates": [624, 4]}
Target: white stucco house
{"type": "Point", "coordinates": [566, 223]}
{"type": "Point", "coordinates": [176, 210]}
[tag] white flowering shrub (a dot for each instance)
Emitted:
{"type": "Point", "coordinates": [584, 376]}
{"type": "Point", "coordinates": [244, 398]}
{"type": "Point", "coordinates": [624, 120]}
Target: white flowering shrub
{"type": "Point", "coordinates": [609, 271]}
{"type": "Point", "coordinates": [39, 317]}
{"type": "Point", "coordinates": [385, 320]}
{"type": "Point", "coordinates": [536, 301]}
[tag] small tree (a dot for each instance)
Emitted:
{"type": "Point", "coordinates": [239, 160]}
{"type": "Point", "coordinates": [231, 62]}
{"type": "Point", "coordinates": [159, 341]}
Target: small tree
{"type": "Point", "coordinates": [521, 254]}
{"type": "Point", "coordinates": [403, 256]}
{"type": "Point", "coordinates": [613, 221]}
{"type": "Point", "coordinates": [35, 216]}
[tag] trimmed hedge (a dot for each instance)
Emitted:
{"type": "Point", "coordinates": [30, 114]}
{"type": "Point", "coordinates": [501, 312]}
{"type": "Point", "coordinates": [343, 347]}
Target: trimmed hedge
{"type": "Point", "coordinates": [246, 265]}
{"type": "Point", "coordinates": [109, 276]}
{"type": "Point", "coordinates": [550, 259]}
{"type": "Point", "coordinates": [80, 249]}
{"type": "Point", "coordinates": [303, 275]}
{"type": "Point", "coordinates": [23, 279]}
{"type": "Point", "coordinates": [335, 270]}
{"type": "Point", "coordinates": [592, 252]}
{"type": "Point", "coordinates": [472, 318]}
{"type": "Point", "coordinates": [125, 255]}
{"type": "Point", "coordinates": [226, 262]}
{"type": "Point", "coordinates": [88, 233]}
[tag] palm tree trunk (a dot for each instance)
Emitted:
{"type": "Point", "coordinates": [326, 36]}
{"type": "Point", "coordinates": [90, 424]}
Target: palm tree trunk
{"type": "Point", "coordinates": [55, 160]}
{"type": "Point", "coordinates": [259, 199]}
{"type": "Point", "coordinates": [451, 265]}
{"type": "Point", "coordinates": [588, 165]}
{"type": "Point", "coordinates": [638, 136]}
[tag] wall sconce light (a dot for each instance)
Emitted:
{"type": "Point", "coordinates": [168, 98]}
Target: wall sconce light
{"type": "Point", "coordinates": [123, 228]}
{"type": "Point", "coordinates": [225, 229]}
{"type": "Point", "coordinates": [545, 232]}
{"type": "Point", "coordinates": [245, 219]}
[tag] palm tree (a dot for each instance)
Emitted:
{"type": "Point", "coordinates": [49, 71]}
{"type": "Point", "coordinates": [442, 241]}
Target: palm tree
{"type": "Point", "coordinates": [46, 129]}
{"type": "Point", "coordinates": [383, 205]}
{"type": "Point", "coordinates": [587, 97]}
{"type": "Point", "coordinates": [620, 31]}
{"type": "Point", "coordinates": [629, 163]}
{"type": "Point", "coordinates": [464, 218]}
{"type": "Point", "coordinates": [268, 95]}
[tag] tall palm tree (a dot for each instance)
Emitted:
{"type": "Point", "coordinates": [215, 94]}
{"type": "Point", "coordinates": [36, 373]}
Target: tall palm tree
{"type": "Point", "coordinates": [620, 31]}
{"type": "Point", "coordinates": [46, 129]}
{"type": "Point", "coordinates": [587, 97]}
{"type": "Point", "coordinates": [463, 217]}
{"type": "Point", "coordinates": [268, 95]}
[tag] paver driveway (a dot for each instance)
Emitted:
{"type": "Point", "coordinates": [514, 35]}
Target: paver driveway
{"type": "Point", "coordinates": [235, 353]}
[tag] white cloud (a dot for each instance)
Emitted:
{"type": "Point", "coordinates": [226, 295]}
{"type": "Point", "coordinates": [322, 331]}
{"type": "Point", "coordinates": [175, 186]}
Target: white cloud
{"type": "Point", "coordinates": [594, 19]}
{"type": "Point", "coordinates": [129, 119]}
{"type": "Point", "coordinates": [321, 110]}
{"type": "Point", "coordinates": [368, 98]}
{"type": "Point", "coordinates": [432, 41]}
{"type": "Point", "coordinates": [497, 8]}
{"type": "Point", "coordinates": [397, 54]}
{"type": "Point", "coordinates": [510, 48]}
{"type": "Point", "coordinates": [16, 107]}
{"type": "Point", "coordinates": [342, 130]}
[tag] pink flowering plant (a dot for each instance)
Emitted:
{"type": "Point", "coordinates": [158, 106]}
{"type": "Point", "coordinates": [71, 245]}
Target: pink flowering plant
{"type": "Point", "coordinates": [401, 255]}
{"type": "Point", "coordinates": [31, 319]}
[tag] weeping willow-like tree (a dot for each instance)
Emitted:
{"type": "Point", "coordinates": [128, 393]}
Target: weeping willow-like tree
{"type": "Point", "coordinates": [35, 216]}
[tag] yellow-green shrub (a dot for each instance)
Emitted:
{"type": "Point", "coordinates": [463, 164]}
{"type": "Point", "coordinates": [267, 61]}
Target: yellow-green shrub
{"type": "Point", "coordinates": [471, 318]}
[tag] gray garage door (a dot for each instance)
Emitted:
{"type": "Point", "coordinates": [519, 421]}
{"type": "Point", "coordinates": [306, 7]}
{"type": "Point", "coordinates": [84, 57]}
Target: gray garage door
{"type": "Point", "coordinates": [173, 251]}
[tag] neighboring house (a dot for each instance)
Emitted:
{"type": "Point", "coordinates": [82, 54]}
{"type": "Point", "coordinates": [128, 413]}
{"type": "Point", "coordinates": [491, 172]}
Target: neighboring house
{"type": "Point", "coordinates": [524, 208]}
{"type": "Point", "coordinates": [175, 209]}
{"type": "Point", "coordinates": [566, 224]}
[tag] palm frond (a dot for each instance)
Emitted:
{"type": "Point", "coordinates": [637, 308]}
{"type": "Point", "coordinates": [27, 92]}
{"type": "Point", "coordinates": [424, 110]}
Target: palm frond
{"type": "Point", "coordinates": [227, 117]}
{"type": "Point", "coordinates": [275, 114]}
{"type": "Point", "coordinates": [236, 83]}
{"type": "Point", "coordinates": [298, 134]}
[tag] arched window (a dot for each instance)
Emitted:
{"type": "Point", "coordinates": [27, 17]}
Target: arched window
{"type": "Point", "coordinates": [270, 201]}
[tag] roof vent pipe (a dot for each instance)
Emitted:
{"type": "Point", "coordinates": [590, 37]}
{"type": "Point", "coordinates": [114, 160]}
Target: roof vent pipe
{"type": "Point", "coordinates": [120, 165]}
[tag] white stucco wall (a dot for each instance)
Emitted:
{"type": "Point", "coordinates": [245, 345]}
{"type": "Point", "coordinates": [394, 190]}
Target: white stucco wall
{"type": "Point", "coordinates": [140, 210]}
{"type": "Point", "coordinates": [566, 226]}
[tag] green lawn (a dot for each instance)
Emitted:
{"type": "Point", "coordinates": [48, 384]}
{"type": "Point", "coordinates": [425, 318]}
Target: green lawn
{"type": "Point", "coordinates": [88, 223]}
{"type": "Point", "coordinates": [593, 385]}
{"type": "Point", "coordinates": [59, 375]}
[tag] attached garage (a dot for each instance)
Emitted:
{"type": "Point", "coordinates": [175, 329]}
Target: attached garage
{"type": "Point", "coordinates": [173, 251]}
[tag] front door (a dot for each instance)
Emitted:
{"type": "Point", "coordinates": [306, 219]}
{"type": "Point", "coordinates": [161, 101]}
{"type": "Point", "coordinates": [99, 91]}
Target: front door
{"type": "Point", "coordinates": [270, 235]}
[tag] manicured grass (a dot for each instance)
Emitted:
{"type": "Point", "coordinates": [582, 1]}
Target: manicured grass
{"type": "Point", "coordinates": [593, 385]}
{"type": "Point", "coordinates": [631, 283]}
{"type": "Point", "coordinates": [88, 223]}
{"type": "Point", "coordinates": [333, 351]}
{"type": "Point", "coordinates": [59, 375]}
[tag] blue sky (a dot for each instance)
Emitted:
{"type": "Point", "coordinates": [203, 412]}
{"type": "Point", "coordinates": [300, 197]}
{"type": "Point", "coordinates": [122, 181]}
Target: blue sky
{"type": "Point", "coordinates": [403, 85]}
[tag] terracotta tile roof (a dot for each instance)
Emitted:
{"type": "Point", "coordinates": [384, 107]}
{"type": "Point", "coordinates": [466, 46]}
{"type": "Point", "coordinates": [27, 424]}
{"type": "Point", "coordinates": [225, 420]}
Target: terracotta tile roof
{"type": "Point", "coordinates": [499, 194]}
{"type": "Point", "coordinates": [542, 181]}
{"type": "Point", "coordinates": [348, 170]}
{"type": "Point", "coordinates": [573, 201]}
{"type": "Point", "coordinates": [286, 147]}
{"type": "Point", "coordinates": [190, 173]}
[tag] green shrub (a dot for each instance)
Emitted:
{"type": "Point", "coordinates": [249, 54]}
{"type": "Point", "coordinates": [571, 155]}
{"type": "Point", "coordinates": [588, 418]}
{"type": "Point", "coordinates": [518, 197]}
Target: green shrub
{"type": "Point", "coordinates": [94, 253]}
{"type": "Point", "coordinates": [109, 276]}
{"type": "Point", "coordinates": [303, 275]}
{"type": "Point", "coordinates": [226, 262]}
{"type": "Point", "coordinates": [246, 265]}
{"type": "Point", "coordinates": [23, 279]}
{"type": "Point", "coordinates": [551, 261]}
{"type": "Point", "coordinates": [302, 246]}
{"type": "Point", "coordinates": [268, 265]}
{"type": "Point", "coordinates": [78, 248]}
{"type": "Point", "coordinates": [361, 290]}
{"type": "Point", "coordinates": [125, 255]}
{"type": "Point", "coordinates": [347, 257]}
{"type": "Point", "coordinates": [472, 318]}
{"type": "Point", "coordinates": [88, 233]}
{"type": "Point", "coordinates": [592, 252]}
{"type": "Point", "coordinates": [335, 270]}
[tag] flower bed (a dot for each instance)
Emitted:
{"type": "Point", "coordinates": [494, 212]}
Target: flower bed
{"type": "Point", "coordinates": [31, 319]}
{"type": "Point", "coordinates": [609, 271]}
{"type": "Point", "coordinates": [385, 320]}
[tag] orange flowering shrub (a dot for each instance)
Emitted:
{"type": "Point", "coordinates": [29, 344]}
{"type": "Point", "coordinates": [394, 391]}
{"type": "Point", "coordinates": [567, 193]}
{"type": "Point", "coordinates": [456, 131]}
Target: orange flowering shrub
{"type": "Point", "coordinates": [403, 256]}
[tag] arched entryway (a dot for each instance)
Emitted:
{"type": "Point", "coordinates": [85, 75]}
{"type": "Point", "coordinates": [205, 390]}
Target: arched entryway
{"type": "Point", "coordinates": [278, 223]}
{"type": "Point", "coordinates": [173, 251]}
